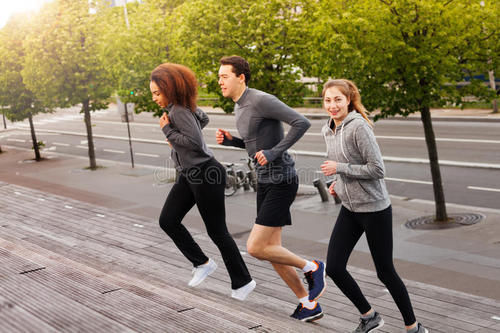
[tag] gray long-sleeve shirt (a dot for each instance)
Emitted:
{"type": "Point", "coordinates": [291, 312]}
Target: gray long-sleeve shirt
{"type": "Point", "coordinates": [258, 120]}
{"type": "Point", "coordinates": [184, 134]}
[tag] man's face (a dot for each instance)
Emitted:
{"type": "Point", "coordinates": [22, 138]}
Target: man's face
{"type": "Point", "coordinates": [229, 83]}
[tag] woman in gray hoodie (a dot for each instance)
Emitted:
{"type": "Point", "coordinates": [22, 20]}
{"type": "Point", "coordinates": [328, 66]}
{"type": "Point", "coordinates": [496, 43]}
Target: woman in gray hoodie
{"type": "Point", "coordinates": [355, 159]}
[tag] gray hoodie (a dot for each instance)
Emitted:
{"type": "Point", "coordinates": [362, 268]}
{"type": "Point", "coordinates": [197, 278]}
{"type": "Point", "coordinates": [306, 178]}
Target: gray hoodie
{"type": "Point", "coordinates": [184, 134]}
{"type": "Point", "coordinates": [360, 168]}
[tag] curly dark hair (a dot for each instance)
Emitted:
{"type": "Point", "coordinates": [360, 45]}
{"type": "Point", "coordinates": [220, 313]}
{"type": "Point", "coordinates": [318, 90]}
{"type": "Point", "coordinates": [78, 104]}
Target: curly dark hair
{"type": "Point", "coordinates": [178, 83]}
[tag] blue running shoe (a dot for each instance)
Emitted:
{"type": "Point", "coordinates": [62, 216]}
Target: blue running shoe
{"type": "Point", "coordinates": [316, 281]}
{"type": "Point", "coordinates": [304, 314]}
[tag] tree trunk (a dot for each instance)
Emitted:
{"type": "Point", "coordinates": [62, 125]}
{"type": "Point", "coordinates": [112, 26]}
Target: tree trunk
{"type": "Point", "coordinates": [90, 141]}
{"type": "Point", "coordinates": [4, 121]}
{"type": "Point", "coordinates": [493, 86]}
{"type": "Point", "coordinates": [33, 138]}
{"type": "Point", "coordinates": [430, 140]}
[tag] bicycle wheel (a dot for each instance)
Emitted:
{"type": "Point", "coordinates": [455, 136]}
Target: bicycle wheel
{"type": "Point", "coordinates": [231, 186]}
{"type": "Point", "coordinates": [252, 179]}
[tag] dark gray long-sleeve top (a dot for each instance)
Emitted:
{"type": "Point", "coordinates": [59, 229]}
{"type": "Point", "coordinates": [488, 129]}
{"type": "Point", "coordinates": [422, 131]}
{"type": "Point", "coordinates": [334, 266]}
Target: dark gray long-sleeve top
{"type": "Point", "coordinates": [258, 120]}
{"type": "Point", "coordinates": [184, 134]}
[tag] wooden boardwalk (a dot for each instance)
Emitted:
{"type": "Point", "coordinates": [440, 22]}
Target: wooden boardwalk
{"type": "Point", "coordinates": [69, 266]}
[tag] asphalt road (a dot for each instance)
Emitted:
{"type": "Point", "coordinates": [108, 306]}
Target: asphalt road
{"type": "Point", "coordinates": [473, 146]}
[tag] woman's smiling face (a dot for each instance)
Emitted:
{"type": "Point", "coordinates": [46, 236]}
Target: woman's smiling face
{"type": "Point", "coordinates": [336, 104]}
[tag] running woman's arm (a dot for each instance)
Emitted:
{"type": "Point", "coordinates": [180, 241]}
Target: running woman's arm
{"type": "Point", "coordinates": [370, 152]}
{"type": "Point", "coordinates": [271, 107]}
{"type": "Point", "coordinates": [185, 132]}
{"type": "Point", "coordinates": [202, 117]}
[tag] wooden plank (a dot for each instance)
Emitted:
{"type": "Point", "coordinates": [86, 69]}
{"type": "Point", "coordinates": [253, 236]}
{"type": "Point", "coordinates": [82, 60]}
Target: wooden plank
{"type": "Point", "coordinates": [276, 325]}
{"type": "Point", "coordinates": [61, 313]}
{"type": "Point", "coordinates": [11, 264]}
{"type": "Point", "coordinates": [15, 319]}
{"type": "Point", "coordinates": [125, 307]}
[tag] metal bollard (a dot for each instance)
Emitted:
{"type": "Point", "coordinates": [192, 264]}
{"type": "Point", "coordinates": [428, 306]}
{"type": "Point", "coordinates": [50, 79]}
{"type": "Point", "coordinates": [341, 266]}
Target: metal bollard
{"type": "Point", "coordinates": [320, 185]}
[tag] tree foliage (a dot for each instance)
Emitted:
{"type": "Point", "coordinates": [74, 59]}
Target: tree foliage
{"type": "Point", "coordinates": [131, 53]}
{"type": "Point", "coordinates": [403, 54]}
{"type": "Point", "coordinates": [62, 63]}
{"type": "Point", "coordinates": [268, 33]}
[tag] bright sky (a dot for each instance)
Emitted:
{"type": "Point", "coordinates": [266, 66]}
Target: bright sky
{"type": "Point", "coordinates": [8, 7]}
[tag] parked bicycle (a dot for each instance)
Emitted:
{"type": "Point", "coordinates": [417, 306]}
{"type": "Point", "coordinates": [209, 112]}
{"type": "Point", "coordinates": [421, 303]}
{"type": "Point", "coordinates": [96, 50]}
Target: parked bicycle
{"type": "Point", "coordinates": [239, 178]}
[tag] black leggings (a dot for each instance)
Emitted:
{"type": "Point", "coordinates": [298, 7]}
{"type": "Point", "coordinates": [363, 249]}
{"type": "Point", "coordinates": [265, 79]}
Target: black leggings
{"type": "Point", "coordinates": [204, 187]}
{"type": "Point", "coordinates": [346, 233]}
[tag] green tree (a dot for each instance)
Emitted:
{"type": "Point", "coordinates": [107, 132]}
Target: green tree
{"type": "Point", "coordinates": [485, 59]}
{"type": "Point", "coordinates": [131, 53]}
{"type": "Point", "coordinates": [61, 61]}
{"type": "Point", "coordinates": [20, 102]}
{"type": "Point", "coordinates": [406, 56]}
{"type": "Point", "coordinates": [268, 33]}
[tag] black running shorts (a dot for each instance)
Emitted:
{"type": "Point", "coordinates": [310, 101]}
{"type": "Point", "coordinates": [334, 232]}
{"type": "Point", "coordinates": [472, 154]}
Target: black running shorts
{"type": "Point", "coordinates": [274, 201]}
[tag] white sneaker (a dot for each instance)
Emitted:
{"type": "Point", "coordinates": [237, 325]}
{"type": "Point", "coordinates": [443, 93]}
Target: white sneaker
{"type": "Point", "coordinates": [201, 272]}
{"type": "Point", "coordinates": [242, 292]}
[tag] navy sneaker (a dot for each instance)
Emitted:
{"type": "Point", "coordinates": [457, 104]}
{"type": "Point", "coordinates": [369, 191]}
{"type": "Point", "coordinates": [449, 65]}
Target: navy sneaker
{"type": "Point", "coordinates": [316, 281]}
{"type": "Point", "coordinates": [304, 314]}
{"type": "Point", "coordinates": [369, 325]}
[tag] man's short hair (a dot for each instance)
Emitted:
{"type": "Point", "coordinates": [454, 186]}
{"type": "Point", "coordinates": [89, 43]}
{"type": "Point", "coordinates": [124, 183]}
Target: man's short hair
{"type": "Point", "coordinates": [240, 66]}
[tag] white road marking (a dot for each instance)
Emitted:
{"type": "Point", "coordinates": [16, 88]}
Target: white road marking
{"type": "Point", "coordinates": [147, 155]}
{"type": "Point", "coordinates": [483, 188]}
{"type": "Point", "coordinates": [16, 140]}
{"type": "Point", "coordinates": [408, 181]}
{"type": "Point", "coordinates": [114, 151]}
{"type": "Point", "coordinates": [82, 147]}
{"type": "Point", "coordinates": [437, 139]}
{"type": "Point", "coordinates": [68, 207]}
{"type": "Point", "coordinates": [100, 215]}
{"type": "Point", "coordinates": [84, 142]}
{"type": "Point", "coordinates": [60, 144]}
{"type": "Point", "coordinates": [495, 317]}
{"type": "Point", "coordinates": [385, 137]}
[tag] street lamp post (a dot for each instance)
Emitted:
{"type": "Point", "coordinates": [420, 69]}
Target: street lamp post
{"type": "Point", "coordinates": [124, 3]}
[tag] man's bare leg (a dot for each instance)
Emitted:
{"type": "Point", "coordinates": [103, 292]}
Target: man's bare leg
{"type": "Point", "coordinates": [265, 243]}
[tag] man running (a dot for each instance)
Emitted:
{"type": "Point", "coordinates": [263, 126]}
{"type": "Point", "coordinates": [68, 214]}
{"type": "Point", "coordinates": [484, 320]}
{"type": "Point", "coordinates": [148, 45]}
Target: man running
{"type": "Point", "coordinates": [259, 118]}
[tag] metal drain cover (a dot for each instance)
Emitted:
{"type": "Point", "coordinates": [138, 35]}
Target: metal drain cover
{"type": "Point", "coordinates": [456, 220]}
